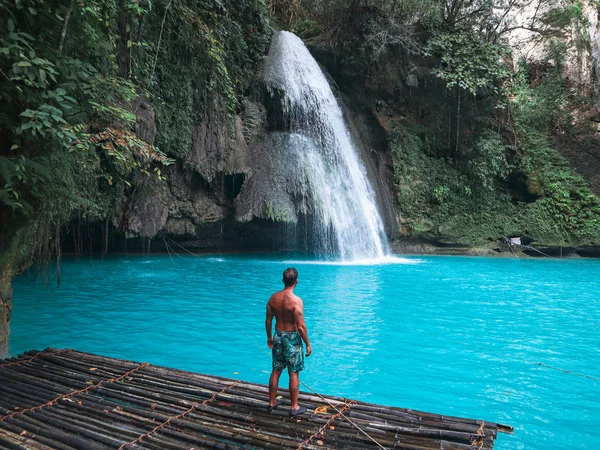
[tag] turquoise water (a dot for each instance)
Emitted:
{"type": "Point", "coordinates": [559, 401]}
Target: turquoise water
{"type": "Point", "coordinates": [451, 335]}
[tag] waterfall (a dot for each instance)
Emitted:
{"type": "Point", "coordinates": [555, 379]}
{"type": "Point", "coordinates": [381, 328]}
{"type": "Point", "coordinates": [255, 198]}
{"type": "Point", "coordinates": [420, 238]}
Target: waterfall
{"type": "Point", "coordinates": [346, 223]}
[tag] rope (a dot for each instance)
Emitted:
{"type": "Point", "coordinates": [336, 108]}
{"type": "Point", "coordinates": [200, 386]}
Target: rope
{"type": "Point", "coordinates": [480, 441]}
{"type": "Point", "coordinates": [511, 245]}
{"type": "Point", "coordinates": [178, 416]}
{"type": "Point", "coordinates": [304, 384]}
{"type": "Point", "coordinates": [162, 26]}
{"type": "Point", "coordinates": [563, 370]}
{"type": "Point", "coordinates": [20, 361]}
{"type": "Point", "coordinates": [342, 414]}
{"type": "Point", "coordinates": [480, 429]}
{"type": "Point", "coordinates": [354, 424]}
{"type": "Point", "coordinates": [183, 248]}
{"type": "Point", "coordinates": [319, 432]}
{"type": "Point", "coordinates": [71, 394]}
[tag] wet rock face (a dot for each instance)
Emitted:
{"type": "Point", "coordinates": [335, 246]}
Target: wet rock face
{"type": "Point", "coordinates": [194, 193]}
{"type": "Point", "coordinates": [176, 205]}
{"type": "Point", "coordinates": [273, 192]}
{"type": "Point", "coordinates": [236, 172]}
{"type": "Point", "coordinates": [145, 125]}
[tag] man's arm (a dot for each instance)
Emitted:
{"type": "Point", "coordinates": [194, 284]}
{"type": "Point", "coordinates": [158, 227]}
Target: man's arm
{"type": "Point", "coordinates": [299, 318]}
{"type": "Point", "coordinates": [269, 324]}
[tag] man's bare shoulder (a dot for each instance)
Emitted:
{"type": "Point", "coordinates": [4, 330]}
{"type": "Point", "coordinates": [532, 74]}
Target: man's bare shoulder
{"type": "Point", "coordinates": [296, 300]}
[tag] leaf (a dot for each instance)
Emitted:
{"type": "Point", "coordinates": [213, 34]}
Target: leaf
{"type": "Point", "coordinates": [321, 410]}
{"type": "Point", "coordinates": [11, 25]}
{"type": "Point", "coordinates": [14, 147]}
{"type": "Point", "coordinates": [93, 368]}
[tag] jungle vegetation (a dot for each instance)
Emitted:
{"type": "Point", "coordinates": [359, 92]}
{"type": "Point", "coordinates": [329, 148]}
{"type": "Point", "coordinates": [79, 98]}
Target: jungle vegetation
{"type": "Point", "coordinates": [473, 127]}
{"type": "Point", "coordinates": [72, 75]}
{"type": "Point", "coordinates": [472, 130]}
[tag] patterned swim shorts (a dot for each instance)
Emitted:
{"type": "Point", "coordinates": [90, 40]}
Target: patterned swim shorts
{"type": "Point", "coordinates": [288, 351]}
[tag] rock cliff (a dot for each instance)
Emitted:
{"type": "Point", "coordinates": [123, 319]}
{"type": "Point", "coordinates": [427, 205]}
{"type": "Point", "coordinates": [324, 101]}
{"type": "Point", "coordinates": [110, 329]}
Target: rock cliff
{"type": "Point", "coordinates": [230, 191]}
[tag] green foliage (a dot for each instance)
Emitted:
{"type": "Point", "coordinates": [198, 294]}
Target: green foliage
{"type": "Point", "coordinates": [307, 28]}
{"type": "Point", "coordinates": [203, 65]}
{"type": "Point", "coordinates": [474, 168]}
{"type": "Point", "coordinates": [487, 160]}
{"type": "Point", "coordinates": [544, 107]}
{"type": "Point", "coordinates": [441, 194]}
{"type": "Point", "coordinates": [473, 203]}
{"type": "Point", "coordinates": [468, 61]}
{"type": "Point", "coordinates": [563, 15]}
{"type": "Point", "coordinates": [69, 73]}
{"type": "Point", "coordinates": [566, 200]}
{"type": "Point", "coordinates": [434, 199]}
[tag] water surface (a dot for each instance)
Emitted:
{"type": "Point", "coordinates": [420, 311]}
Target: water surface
{"type": "Point", "coordinates": [451, 335]}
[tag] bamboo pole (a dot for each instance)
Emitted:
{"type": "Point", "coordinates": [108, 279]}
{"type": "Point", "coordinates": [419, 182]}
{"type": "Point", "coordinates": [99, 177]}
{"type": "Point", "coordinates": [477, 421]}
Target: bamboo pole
{"type": "Point", "coordinates": [165, 409]}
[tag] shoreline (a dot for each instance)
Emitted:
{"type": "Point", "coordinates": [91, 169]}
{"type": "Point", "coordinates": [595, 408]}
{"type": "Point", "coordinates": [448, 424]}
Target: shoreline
{"type": "Point", "coordinates": [404, 249]}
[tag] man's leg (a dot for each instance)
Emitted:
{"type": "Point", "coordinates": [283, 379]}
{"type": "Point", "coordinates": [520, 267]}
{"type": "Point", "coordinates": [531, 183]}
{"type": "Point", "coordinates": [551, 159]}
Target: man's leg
{"type": "Point", "coordinates": [273, 384]}
{"type": "Point", "coordinates": [294, 389]}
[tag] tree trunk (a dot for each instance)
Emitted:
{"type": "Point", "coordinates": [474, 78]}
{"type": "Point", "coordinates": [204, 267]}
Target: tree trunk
{"type": "Point", "coordinates": [5, 307]}
{"type": "Point", "coordinates": [457, 124]}
{"type": "Point", "coordinates": [63, 33]}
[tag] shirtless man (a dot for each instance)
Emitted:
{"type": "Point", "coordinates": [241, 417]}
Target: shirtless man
{"type": "Point", "coordinates": [286, 344]}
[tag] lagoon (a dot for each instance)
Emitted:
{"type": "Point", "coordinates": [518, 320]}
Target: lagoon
{"type": "Point", "coordinates": [514, 341]}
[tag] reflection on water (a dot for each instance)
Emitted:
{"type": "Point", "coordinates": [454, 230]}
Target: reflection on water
{"type": "Point", "coordinates": [459, 336]}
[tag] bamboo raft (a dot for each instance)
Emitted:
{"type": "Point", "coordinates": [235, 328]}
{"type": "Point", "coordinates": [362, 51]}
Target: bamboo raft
{"type": "Point", "coordinates": [65, 399]}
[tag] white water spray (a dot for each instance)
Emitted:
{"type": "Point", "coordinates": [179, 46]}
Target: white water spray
{"type": "Point", "coordinates": [346, 221]}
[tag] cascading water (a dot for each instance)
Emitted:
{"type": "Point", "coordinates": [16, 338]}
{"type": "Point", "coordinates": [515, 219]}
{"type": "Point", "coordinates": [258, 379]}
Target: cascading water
{"type": "Point", "coordinates": [345, 219]}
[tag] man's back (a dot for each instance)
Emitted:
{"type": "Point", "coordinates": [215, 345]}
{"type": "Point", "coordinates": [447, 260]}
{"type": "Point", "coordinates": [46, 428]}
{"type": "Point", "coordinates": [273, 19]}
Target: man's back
{"type": "Point", "coordinates": [286, 344]}
{"type": "Point", "coordinates": [284, 305]}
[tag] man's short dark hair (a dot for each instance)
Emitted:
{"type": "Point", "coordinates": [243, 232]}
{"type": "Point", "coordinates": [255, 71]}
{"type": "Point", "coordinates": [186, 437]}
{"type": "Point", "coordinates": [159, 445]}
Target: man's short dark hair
{"type": "Point", "coordinates": [290, 276]}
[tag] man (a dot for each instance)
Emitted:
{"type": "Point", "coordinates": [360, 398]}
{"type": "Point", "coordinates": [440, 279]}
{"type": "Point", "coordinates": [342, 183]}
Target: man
{"type": "Point", "coordinates": [286, 344]}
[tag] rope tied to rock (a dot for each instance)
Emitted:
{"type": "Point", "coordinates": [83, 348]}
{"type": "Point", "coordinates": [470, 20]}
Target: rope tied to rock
{"type": "Point", "coordinates": [178, 416]}
{"type": "Point", "coordinates": [72, 394]}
